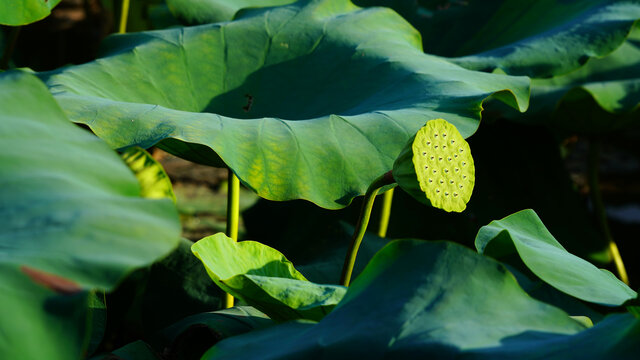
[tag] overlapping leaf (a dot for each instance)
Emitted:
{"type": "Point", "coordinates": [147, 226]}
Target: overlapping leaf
{"type": "Point", "coordinates": [311, 100]}
{"type": "Point", "coordinates": [262, 277]}
{"type": "Point", "coordinates": [601, 96]}
{"type": "Point", "coordinates": [212, 11]}
{"type": "Point", "coordinates": [532, 37]}
{"type": "Point", "coordinates": [72, 220]}
{"type": "Point", "coordinates": [525, 233]}
{"type": "Point", "coordinates": [454, 304]}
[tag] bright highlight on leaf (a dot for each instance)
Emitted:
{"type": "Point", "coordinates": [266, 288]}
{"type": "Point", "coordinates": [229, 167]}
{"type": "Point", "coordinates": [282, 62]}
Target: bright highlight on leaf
{"type": "Point", "coordinates": [440, 159]}
{"type": "Point", "coordinates": [22, 12]}
{"type": "Point", "coordinates": [154, 181]}
{"type": "Point", "coordinates": [262, 277]}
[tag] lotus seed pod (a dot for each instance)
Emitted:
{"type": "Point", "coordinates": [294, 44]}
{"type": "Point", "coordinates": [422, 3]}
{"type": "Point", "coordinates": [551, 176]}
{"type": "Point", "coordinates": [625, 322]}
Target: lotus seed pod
{"type": "Point", "coordinates": [437, 162]}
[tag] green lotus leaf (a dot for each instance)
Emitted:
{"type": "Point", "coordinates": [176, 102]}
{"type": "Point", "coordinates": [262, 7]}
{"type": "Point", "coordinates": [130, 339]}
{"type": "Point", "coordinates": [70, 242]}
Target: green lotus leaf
{"type": "Point", "coordinates": [154, 181]}
{"type": "Point", "coordinates": [262, 277]}
{"type": "Point", "coordinates": [524, 233]}
{"type": "Point", "coordinates": [438, 300]}
{"type": "Point", "coordinates": [601, 96]}
{"type": "Point", "coordinates": [22, 12]}
{"type": "Point", "coordinates": [537, 38]}
{"type": "Point", "coordinates": [437, 163]}
{"type": "Point", "coordinates": [312, 100]}
{"type": "Point", "coordinates": [72, 220]}
{"type": "Point", "coordinates": [212, 11]}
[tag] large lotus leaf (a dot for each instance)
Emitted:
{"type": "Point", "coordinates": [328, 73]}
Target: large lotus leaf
{"type": "Point", "coordinates": [601, 96]}
{"type": "Point", "coordinates": [537, 38]}
{"type": "Point", "coordinates": [439, 300]}
{"type": "Point", "coordinates": [21, 12]}
{"type": "Point", "coordinates": [212, 11]}
{"type": "Point", "coordinates": [525, 233]}
{"type": "Point", "coordinates": [311, 100]}
{"type": "Point", "coordinates": [71, 218]}
{"type": "Point", "coordinates": [262, 277]}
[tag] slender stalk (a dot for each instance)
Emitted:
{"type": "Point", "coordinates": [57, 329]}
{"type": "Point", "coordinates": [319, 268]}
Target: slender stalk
{"type": "Point", "coordinates": [598, 207]}
{"type": "Point", "coordinates": [361, 226]}
{"type": "Point", "coordinates": [9, 47]}
{"type": "Point", "coordinates": [385, 213]}
{"type": "Point", "coordinates": [124, 15]}
{"type": "Point", "coordinates": [233, 216]}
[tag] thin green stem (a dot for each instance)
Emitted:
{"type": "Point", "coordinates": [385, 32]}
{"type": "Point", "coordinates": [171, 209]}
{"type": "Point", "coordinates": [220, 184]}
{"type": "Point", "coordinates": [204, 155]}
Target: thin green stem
{"type": "Point", "coordinates": [598, 207]}
{"type": "Point", "coordinates": [361, 226]}
{"type": "Point", "coordinates": [233, 216]}
{"type": "Point", "coordinates": [387, 198]}
{"type": "Point", "coordinates": [124, 15]}
{"type": "Point", "coordinates": [9, 47]}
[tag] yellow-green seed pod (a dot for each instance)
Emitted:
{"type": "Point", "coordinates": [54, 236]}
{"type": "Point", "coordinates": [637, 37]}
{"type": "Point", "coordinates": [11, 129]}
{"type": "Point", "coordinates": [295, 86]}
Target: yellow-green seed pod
{"type": "Point", "coordinates": [437, 162]}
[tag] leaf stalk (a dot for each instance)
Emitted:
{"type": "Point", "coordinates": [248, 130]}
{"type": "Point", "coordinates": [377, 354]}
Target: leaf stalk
{"type": "Point", "coordinates": [124, 15]}
{"type": "Point", "coordinates": [233, 216]}
{"type": "Point", "coordinates": [593, 158]}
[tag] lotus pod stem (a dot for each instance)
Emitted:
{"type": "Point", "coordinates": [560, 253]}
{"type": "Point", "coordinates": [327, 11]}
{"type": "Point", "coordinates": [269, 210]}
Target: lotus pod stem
{"type": "Point", "coordinates": [361, 225]}
{"type": "Point", "coordinates": [385, 213]}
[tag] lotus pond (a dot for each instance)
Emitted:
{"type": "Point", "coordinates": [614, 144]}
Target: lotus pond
{"type": "Point", "coordinates": [319, 179]}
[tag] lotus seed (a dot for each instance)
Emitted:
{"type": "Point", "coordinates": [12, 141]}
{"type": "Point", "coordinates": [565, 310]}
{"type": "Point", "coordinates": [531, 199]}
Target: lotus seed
{"type": "Point", "coordinates": [455, 194]}
{"type": "Point", "coordinates": [437, 190]}
{"type": "Point", "coordinates": [439, 159]}
{"type": "Point", "coordinates": [446, 170]}
{"type": "Point", "coordinates": [424, 153]}
{"type": "Point", "coordinates": [435, 146]}
{"type": "Point", "coordinates": [450, 181]}
{"type": "Point", "coordinates": [446, 193]}
{"type": "Point", "coordinates": [449, 158]}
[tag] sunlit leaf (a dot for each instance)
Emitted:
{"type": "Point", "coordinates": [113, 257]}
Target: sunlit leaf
{"type": "Point", "coordinates": [312, 100]}
{"type": "Point", "coordinates": [262, 277]}
{"type": "Point", "coordinates": [525, 233]}
{"type": "Point", "coordinates": [22, 12]}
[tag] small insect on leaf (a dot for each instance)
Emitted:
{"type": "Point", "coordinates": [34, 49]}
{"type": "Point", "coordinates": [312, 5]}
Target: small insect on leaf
{"type": "Point", "coordinates": [455, 176]}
